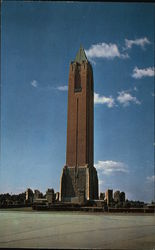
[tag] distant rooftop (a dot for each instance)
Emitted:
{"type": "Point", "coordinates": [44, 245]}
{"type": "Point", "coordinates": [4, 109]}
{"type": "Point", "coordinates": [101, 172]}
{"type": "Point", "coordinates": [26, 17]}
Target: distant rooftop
{"type": "Point", "coordinates": [81, 56]}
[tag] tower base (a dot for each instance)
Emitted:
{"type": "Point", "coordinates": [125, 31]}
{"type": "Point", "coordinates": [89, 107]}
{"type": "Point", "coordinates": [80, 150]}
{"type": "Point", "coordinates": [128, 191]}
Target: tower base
{"type": "Point", "coordinates": [78, 184]}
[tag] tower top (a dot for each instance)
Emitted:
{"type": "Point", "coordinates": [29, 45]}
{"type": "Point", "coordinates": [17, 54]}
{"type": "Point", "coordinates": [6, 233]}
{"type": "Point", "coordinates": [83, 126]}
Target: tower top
{"type": "Point", "coordinates": [81, 56]}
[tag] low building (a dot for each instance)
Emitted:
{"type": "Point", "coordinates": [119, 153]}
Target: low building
{"type": "Point", "coordinates": [109, 196]}
{"type": "Point", "coordinates": [40, 203]}
{"type": "Point", "coordinates": [122, 197]}
{"type": "Point", "coordinates": [117, 196]}
{"type": "Point", "coordinates": [102, 196]}
{"type": "Point", "coordinates": [50, 196]}
{"type": "Point", "coordinates": [37, 194]}
{"type": "Point", "coordinates": [29, 196]}
{"type": "Point", "coordinates": [57, 196]}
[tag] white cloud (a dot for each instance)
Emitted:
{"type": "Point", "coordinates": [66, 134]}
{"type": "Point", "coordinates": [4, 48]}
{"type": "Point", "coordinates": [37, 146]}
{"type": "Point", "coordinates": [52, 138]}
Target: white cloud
{"type": "Point", "coordinates": [150, 178]}
{"type": "Point", "coordinates": [108, 167]}
{"type": "Point", "coordinates": [34, 83]}
{"type": "Point", "coordinates": [139, 42]}
{"type": "Point", "coordinates": [101, 182]}
{"type": "Point", "coordinates": [109, 101]}
{"type": "Point", "coordinates": [62, 88]}
{"type": "Point", "coordinates": [139, 73]}
{"type": "Point", "coordinates": [135, 89]}
{"type": "Point", "coordinates": [92, 61]}
{"type": "Point", "coordinates": [125, 98]}
{"type": "Point", "coordinates": [104, 50]}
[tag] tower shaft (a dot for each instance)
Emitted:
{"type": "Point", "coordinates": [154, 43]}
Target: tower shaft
{"type": "Point", "coordinates": [79, 177]}
{"type": "Point", "coordinates": [80, 115]}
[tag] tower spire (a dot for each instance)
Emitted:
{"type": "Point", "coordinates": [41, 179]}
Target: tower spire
{"type": "Point", "coordinates": [81, 55]}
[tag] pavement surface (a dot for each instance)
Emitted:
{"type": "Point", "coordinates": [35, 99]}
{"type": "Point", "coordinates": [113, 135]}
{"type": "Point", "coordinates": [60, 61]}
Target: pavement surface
{"type": "Point", "coordinates": [19, 229]}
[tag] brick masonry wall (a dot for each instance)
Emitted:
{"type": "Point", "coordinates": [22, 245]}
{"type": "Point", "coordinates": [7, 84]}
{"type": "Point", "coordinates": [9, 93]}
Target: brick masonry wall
{"type": "Point", "coordinates": [80, 117]}
{"type": "Point", "coordinates": [79, 173]}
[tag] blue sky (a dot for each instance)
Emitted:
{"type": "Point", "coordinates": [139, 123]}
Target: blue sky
{"type": "Point", "coordinates": [39, 40]}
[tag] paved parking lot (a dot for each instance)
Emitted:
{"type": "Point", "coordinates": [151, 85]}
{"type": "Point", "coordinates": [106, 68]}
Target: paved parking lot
{"type": "Point", "coordinates": [76, 230]}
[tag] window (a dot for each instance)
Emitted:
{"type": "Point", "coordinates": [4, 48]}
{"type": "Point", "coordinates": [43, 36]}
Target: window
{"type": "Point", "coordinates": [77, 86]}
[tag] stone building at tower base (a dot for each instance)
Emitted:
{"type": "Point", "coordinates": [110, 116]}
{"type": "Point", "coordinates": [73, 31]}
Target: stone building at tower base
{"type": "Point", "coordinates": [78, 184]}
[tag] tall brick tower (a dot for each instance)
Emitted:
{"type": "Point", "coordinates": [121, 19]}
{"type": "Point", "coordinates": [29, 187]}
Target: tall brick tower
{"type": "Point", "coordinates": [79, 176]}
